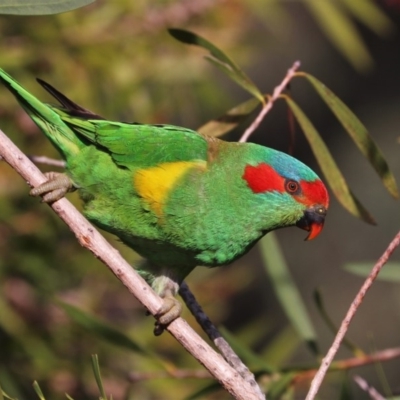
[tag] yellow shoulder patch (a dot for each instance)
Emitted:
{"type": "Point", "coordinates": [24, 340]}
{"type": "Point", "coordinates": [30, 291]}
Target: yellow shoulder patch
{"type": "Point", "coordinates": [153, 184]}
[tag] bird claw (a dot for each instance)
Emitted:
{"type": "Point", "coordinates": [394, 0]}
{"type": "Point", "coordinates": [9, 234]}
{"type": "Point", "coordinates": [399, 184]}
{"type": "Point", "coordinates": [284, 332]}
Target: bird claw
{"type": "Point", "coordinates": [56, 187]}
{"type": "Point", "coordinates": [170, 310]}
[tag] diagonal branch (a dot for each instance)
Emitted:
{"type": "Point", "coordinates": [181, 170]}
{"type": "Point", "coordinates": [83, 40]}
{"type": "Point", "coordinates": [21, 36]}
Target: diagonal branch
{"type": "Point", "coordinates": [90, 238]}
{"type": "Point", "coordinates": [326, 362]}
{"type": "Point", "coordinates": [209, 328]}
{"type": "Point", "coordinates": [271, 99]}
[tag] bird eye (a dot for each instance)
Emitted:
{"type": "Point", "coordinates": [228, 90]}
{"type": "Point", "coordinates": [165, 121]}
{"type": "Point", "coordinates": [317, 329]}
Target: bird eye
{"type": "Point", "coordinates": [292, 187]}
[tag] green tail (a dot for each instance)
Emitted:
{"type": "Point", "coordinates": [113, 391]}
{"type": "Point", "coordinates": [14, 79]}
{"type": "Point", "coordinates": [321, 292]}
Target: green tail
{"type": "Point", "coordinates": [45, 117]}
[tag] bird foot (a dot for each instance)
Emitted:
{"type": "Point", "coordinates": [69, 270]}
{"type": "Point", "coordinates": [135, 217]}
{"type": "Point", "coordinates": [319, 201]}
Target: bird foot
{"type": "Point", "coordinates": [170, 310]}
{"type": "Point", "coordinates": [56, 187]}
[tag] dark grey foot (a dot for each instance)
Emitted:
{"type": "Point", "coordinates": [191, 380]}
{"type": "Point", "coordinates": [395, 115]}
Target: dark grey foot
{"type": "Point", "coordinates": [169, 311]}
{"type": "Point", "coordinates": [57, 186]}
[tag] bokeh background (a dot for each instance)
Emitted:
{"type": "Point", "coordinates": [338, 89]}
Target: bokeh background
{"type": "Point", "coordinates": [117, 59]}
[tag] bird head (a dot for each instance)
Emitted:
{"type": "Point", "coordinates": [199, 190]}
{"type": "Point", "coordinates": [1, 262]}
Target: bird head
{"type": "Point", "coordinates": [293, 194]}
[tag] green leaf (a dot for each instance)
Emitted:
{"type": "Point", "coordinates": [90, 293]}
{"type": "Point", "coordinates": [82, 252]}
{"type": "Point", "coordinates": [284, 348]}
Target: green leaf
{"type": "Point", "coordinates": [282, 346]}
{"type": "Point", "coordinates": [342, 32]}
{"type": "Point", "coordinates": [97, 375]}
{"type": "Point", "coordinates": [328, 165]}
{"type": "Point", "coordinates": [204, 392]}
{"type": "Point", "coordinates": [225, 123]}
{"type": "Point", "coordinates": [101, 330]}
{"type": "Point", "coordinates": [286, 290]}
{"type": "Point", "coordinates": [219, 59]}
{"type": "Point", "coordinates": [279, 387]}
{"type": "Point", "coordinates": [371, 15]}
{"type": "Point", "coordinates": [38, 391]}
{"type": "Point", "coordinates": [40, 7]}
{"type": "Point", "coordinates": [390, 272]}
{"type": "Point", "coordinates": [358, 132]}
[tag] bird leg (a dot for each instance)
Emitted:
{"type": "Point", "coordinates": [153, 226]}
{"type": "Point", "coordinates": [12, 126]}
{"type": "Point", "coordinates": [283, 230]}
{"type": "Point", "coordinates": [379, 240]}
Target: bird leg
{"type": "Point", "coordinates": [56, 187]}
{"type": "Point", "coordinates": [171, 307]}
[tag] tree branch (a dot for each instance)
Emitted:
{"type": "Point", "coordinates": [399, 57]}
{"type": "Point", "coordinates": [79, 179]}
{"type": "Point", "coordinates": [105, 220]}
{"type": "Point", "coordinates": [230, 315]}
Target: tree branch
{"type": "Point", "coordinates": [271, 99]}
{"type": "Point", "coordinates": [326, 362]}
{"type": "Point", "coordinates": [90, 238]}
{"type": "Point", "coordinates": [210, 329]}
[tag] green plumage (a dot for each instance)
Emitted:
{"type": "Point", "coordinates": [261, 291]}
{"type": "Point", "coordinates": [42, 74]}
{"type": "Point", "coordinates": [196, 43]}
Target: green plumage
{"type": "Point", "coordinates": [209, 214]}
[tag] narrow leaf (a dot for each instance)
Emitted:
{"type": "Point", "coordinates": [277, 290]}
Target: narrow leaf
{"type": "Point", "coordinates": [42, 7]}
{"type": "Point", "coordinates": [225, 123]}
{"type": "Point", "coordinates": [279, 387]}
{"type": "Point", "coordinates": [204, 392]}
{"type": "Point", "coordinates": [390, 273]}
{"type": "Point", "coordinates": [100, 329]}
{"type": "Point", "coordinates": [358, 132]}
{"type": "Point", "coordinates": [220, 59]}
{"type": "Point", "coordinates": [328, 165]}
{"type": "Point", "coordinates": [38, 391]}
{"type": "Point", "coordinates": [97, 375]}
{"type": "Point", "coordinates": [371, 15]}
{"type": "Point", "coordinates": [286, 290]}
{"type": "Point", "coordinates": [341, 31]}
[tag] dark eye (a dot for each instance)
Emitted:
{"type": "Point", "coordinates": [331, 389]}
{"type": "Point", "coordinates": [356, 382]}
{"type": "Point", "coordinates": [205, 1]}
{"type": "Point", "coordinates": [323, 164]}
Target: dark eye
{"type": "Point", "coordinates": [292, 187]}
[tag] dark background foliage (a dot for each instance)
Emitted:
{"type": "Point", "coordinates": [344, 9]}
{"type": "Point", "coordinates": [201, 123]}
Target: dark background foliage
{"type": "Point", "coordinates": [117, 59]}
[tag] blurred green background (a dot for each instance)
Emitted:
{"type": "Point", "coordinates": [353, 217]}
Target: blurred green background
{"type": "Point", "coordinates": [117, 59]}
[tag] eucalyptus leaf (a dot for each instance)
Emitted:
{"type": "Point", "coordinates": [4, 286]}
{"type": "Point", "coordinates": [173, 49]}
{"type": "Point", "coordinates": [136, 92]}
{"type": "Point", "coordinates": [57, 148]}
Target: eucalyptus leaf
{"type": "Point", "coordinates": [358, 133]}
{"type": "Point", "coordinates": [101, 329]}
{"type": "Point", "coordinates": [230, 120]}
{"type": "Point", "coordinates": [328, 165]}
{"type": "Point", "coordinates": [220, 59]}
{"type": "Point", "coordinates": [371, 15]}
{"type": "Point", "coordinates": [40, 7]}
{"type": "Point", "coordinates": [97, 375]}
{"type": "Point", "coordinates": [286, 290]}
{"type": "Point", "coordinates": [342, 32]}
{"type": "Point", "coordinates": [38, 391]}
{"type": "Point", "coordinates": [389, 273]}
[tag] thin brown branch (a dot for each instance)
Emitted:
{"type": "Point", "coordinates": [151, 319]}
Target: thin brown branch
{"type": "Point", "coordinates": [372, 392]}
{"type": "Point", "coordinates": [268, 105]}
{"type": "Point", "coordinates": [90, 238]}
{"type": "Point", "coordinates": [349, 363]}
{"type": "Point", "coordinates": [326, 362]}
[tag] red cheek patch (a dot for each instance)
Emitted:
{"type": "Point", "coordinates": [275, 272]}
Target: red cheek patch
{"type": "Point", "coordinates": [315, 193]}
{"type": "Point", "coordinates": [263, 178]}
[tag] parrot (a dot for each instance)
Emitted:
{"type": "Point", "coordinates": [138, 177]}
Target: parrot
{"type": "Point", "coordinates": [178, 198]}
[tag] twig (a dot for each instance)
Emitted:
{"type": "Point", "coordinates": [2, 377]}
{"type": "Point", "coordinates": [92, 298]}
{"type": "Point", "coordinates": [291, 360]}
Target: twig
{"type": "Point", "coordinates": [346, 364]}
{"type": "Point", "coordinates": [372, 392]}
{"type": "Point", "coordinates": [326, 362]}
{"type": "Point", "coordinates": [90, 238]}
{"type": "Point", "coordinates": [209, 328]}
{"type": "Point", "coordinates": [47, 161]}
{"type": "Point", "coordinates": [268, 105]}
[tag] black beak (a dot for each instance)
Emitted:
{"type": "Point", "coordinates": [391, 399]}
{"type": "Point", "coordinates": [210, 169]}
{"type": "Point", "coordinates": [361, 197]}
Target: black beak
{"type": "Point", "coordinates": [313, 221]}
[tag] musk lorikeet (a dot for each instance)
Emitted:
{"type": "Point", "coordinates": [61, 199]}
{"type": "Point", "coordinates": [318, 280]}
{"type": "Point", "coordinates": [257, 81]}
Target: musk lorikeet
{"type": "Point", "coordinates": [176, 197]}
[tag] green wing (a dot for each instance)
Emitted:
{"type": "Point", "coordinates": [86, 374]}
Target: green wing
{"type": "Point", "coordinates": [130, 144]}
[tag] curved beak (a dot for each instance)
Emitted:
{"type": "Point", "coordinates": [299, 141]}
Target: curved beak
{"type": "Point", "coordinates": [313, 221]}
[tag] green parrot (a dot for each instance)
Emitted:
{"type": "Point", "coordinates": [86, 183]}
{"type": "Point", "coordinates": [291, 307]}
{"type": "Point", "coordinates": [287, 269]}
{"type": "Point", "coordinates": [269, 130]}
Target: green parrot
{"type": "Point", "coordinates": [178, 198]}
